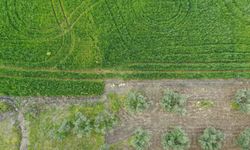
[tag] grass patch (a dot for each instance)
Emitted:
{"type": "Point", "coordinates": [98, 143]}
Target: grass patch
{"type": "Point", "coordinates": [9, 134]}
{"type": "Point", "coordinates": [115, 102]}
{"type": "Point", "coordinates": [205, 104]}
{"type": "Point", "coordinates": [235, 106]}
{"type": "Point", "coordinates": [5, 107]}
{"type": "Point", "coordinates": [121, 144]}
{"type": "Point", "coordinates": [40, 126]}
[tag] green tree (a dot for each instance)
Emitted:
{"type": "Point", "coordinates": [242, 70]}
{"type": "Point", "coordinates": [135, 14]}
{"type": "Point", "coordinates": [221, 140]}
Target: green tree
{"type": "Point", "coordinates": [135, 102]}
{"type": "Point", "coordinates": [140, 139]}
{"type": "Point", "coordinates": [173, 102]}
{"type": "Point", "coordinates": [211, 139]}
{"type": "Point", "coordinates": [104, 122]}
{"type": "Point", "coordinates": [175, 139]}
{"type": "Point", "coordinates": [82, 125]}
{"type": "Point", "coordinates": [242, 100]}
{"type": "Point", "coordinates": [244, 139]}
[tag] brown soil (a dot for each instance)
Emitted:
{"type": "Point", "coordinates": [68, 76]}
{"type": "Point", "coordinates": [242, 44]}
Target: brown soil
{"type": "Point", "coordinates": [221, 116]}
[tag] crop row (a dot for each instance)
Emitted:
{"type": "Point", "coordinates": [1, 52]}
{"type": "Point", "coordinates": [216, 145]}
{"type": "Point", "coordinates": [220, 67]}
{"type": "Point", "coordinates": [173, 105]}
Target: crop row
{"type": "Point", "coordinates": [47, 87]}
{"type": "Point", "coordinates": [138, 74]}
{"type": "Point", "coordinates": [188, 67]}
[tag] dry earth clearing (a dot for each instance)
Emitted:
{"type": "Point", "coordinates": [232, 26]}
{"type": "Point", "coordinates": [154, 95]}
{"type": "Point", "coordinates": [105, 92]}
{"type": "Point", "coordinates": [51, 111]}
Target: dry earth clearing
{"type": "Point", "coordinates": [220, 116]}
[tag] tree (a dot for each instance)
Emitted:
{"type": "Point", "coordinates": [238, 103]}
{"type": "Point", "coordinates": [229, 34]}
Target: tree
{"type": "Point", "coordinates": [82, 125]}
{"type": "Point", "coordinates": [140, 139]}
{"type": "Point", "coordinates": [175, 139]}
{"type": "Point", "coordinates": [135, 102]}
{"type": "Point", "coordinates": [105, 121]}
{"type": "Point", "coordinates": [242, 100]}
{"type": "Point", "coordinates": [211, 139]}
{"type": "Point", "coordinates": [244, 139]}
{"type": "Point", "coordinates": [173, 102]}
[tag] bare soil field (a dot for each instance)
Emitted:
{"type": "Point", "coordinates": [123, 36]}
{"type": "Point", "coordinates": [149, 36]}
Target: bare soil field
{"type": "Point", "coordinates": [221, 116]}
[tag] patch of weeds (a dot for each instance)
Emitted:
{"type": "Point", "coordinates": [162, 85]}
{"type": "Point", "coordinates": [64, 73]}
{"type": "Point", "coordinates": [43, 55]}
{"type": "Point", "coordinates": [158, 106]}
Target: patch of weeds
{"type": "Point", "coordinates": [205, 104]}
{"type": "Point", "coordinates": [115, 102]}
{"type": "Point", "coordinates": [10, 134]}
{"type": "Point", "coordinates": [242, 100]}
{"type": "Point", "coordinates": [175, 139]}
{"type": "Point", "coordinates": [173, 102]}
{"type": "Point", "coordinates": [136, 102]}
{"type": "Point", "coordinates": [5, 107]}
{"type": "Point", "coordinates": [235, 106]}
{"type": "Point", "coordinates": [140, 139]}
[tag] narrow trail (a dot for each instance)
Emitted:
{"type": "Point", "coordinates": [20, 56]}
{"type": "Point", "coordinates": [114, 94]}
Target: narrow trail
{"type": "Point", "coordinates": [24, 139]}
{"type": "Point", "coordinates": [114, 71]}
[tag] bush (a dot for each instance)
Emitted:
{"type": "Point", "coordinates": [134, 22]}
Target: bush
{"type": "Point", "coordinates": [175, 139]}
{"type": "Point", "coordinates": [82, 125]}
{"type": "Point", "coordinates": [140, 139]}
{"type": "Point", "coordinates": [136, 102]}
{"type": "Point", "coordinates": [173, 102]}
{"type": "Point", "coordinates": [244, 139]}
{"type": "Point", "coordinates": [104, 122]}
{"type": "Point", "coordinates": [211, 139]}
{"type": "Point", "coordinates": [242, 100]}
{"type": "Point", "coordinates": [60, 132]}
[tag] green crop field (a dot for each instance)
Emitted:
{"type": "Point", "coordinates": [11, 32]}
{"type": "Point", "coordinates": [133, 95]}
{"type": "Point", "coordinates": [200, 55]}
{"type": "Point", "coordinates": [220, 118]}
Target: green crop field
{"type": "Point", "coordinates": [69, 47]}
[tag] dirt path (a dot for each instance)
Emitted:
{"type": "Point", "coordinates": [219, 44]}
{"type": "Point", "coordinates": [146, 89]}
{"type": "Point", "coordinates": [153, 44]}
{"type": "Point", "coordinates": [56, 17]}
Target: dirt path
{"type": "Point", "coordinates": [157, 121]}
{"type": "Point", "coordinates": [24, 139]}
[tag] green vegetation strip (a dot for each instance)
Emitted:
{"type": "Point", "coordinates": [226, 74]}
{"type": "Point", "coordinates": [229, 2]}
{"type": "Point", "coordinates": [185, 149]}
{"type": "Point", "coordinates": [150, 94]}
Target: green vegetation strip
{"type": "Point", "coordinates": [188, 66]}
{"type": "Point", "coordinates": [48, 87]}
{"type": "Point", "coordinates": [108, 74]}
{"type": "Point", "coordinates": [67, 83]}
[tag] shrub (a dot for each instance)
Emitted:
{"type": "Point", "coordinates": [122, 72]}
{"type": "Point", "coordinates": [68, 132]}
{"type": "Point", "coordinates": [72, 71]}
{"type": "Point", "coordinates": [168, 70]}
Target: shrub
{"type": "Point", "coordinates": [140, 139]}
{"type": "Point", "coordinates": [242, 100]}
{"type": "Point", "coordinates": [60, 132]}
{"type": "Point", "coordinates": [82, 125]}
{"type": "Point", "coordinates": [105, 121]}
{"type": "Point", "coordinates": [175, 139]}
{"type": "Point", "coordinates": [211, 139]}
{"type": "Point", "coordinates": [173, 102]}
{"type": "Point", "coordinates": [136, 102]}
{"type": "Point", "coordinates": [244, 139]}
